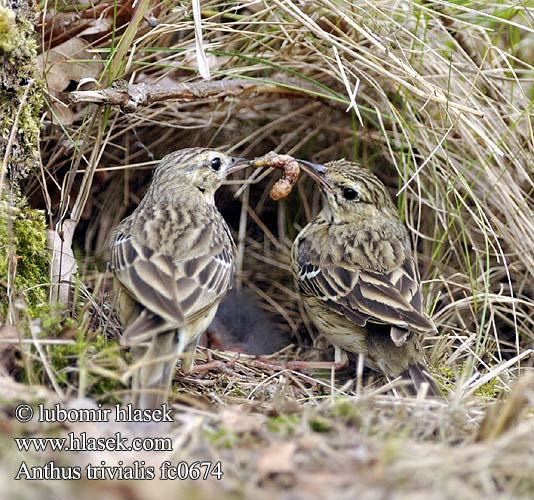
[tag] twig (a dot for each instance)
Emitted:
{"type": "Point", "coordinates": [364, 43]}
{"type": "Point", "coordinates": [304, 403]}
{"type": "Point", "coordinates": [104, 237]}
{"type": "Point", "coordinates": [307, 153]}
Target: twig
{"type": "Point", "coordinates": [130, 96]}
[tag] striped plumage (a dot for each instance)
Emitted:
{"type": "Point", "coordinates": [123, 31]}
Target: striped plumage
{"type": "Point", "coordinates": [357, 276]}
{"type": "Point", "coordinates": [172, 261]}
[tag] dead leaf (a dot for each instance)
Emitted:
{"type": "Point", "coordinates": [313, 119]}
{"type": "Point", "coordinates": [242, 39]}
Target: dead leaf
{"type": "Point", "coordinates": [61, 114]}
{"type": "Point", "coordinates": [278, 458]}
{"type": "Point", "coordinates": [237, 419]}
{"type": "Point", "coordinates": [97, 26]}
{"type": "Point", "coordinates": [70, 61]}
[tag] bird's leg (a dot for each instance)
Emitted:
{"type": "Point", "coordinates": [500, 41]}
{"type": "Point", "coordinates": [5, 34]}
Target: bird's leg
{"type": "Point", "coordinates": [359, 373]}
{"type": "Point", "coordinates": [154, 368]}
{"type": "Point", "coordinates": [340, 356]}
{"type": "Point", "coordinates": [188, 356]}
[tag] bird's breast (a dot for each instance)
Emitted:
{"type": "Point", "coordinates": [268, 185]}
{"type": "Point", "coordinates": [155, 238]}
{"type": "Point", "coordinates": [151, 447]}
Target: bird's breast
{"type": "Point", "coordinates": [337, 329]}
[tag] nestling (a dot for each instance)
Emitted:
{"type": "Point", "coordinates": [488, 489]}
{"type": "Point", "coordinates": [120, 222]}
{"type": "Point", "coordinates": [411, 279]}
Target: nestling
{"type": "Point", "coordinates": [241, 325]}
{"type": "Point", "coordinates": [172, 260]}
{"type": "Point", "coordinates": [355, 271]}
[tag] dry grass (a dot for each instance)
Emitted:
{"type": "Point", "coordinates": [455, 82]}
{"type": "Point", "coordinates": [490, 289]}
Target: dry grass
{"type": "Point", "coordinates": [442, 114]}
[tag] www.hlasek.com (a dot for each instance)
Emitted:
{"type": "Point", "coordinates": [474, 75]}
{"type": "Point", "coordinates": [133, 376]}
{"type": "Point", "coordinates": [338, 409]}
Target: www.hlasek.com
{"type": "Point", "coordinates": [138, 470]}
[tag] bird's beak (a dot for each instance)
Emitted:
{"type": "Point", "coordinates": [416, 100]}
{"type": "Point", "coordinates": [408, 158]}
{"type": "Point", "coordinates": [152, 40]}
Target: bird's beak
{"type": "Point", "coordinates": [317, 172]}
{"type": "Point", "coordinates": [237, 165]}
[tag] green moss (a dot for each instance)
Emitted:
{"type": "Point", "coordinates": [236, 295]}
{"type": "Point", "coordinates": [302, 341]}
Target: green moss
{"type": "Point", "coordinates": [347, 412]}
{"type": "Point", "coordinates": [62, 356]}
{"type": "Point", "coordinates": [223, 438]}
{"type": "Point", "coordinates": [23, 244]}
{"type": "Point", "coordinates": [283, 424]}
{"type": "Point", "coordinates": [490, 389]}
{"type": "Point", "coordinates": [320, 424]}
{"type": "Point", "coordinates": [7, 30]}
{"type": "Point", "coordinates": [445, 376]}
{"type": "Point", "coordinates": [68, 361]}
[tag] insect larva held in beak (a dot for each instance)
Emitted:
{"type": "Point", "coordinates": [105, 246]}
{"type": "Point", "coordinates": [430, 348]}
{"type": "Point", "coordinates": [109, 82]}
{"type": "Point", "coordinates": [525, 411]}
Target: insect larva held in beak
{"type": "Point", "coordinates": [290, 172]}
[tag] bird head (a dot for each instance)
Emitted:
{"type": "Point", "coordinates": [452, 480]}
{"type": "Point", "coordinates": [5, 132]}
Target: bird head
{"type": "Point", "coordinates": [352, 194]}
{"type": "Point", "coordinates": [205, 169]}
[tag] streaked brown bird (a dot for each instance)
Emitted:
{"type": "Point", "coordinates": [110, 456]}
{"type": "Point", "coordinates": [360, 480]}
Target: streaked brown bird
{"type": "Point", "coordinates": [357, 276]}
{"type": "Point", "coordinates": [172, 260]}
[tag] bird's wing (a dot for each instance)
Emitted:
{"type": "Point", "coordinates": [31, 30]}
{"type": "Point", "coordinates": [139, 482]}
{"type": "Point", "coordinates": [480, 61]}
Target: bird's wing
{"type": "Point", "coordinates": [172, 292]}
{"type": "Point", "coordinates": [360, 295]}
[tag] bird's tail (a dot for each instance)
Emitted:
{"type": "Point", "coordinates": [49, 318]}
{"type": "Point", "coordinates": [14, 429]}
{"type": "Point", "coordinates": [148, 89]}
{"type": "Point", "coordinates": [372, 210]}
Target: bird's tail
{"type": "Point", "coordinates": [154, 363]}
{"type": "Point", "coordinates": [418, 377]}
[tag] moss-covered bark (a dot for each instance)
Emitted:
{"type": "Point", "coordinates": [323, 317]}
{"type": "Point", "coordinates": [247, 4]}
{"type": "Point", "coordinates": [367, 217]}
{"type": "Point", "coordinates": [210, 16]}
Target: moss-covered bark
{"type": "Point", "coordinates": [23, 255]}
{"type": "Point", "coordinates": [20, 89]}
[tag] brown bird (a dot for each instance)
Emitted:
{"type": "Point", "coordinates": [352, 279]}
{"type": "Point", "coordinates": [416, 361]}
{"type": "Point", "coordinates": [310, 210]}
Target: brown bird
{"type": "Point", "coordinates": [354, 268]}
{"type": "Point", "coordinates": [173, 262]}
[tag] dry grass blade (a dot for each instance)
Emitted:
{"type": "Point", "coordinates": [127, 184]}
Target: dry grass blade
{"type": "Point", "coordinates": [202, 60]}
{"type": "Point", "coordinates": [506, 413]}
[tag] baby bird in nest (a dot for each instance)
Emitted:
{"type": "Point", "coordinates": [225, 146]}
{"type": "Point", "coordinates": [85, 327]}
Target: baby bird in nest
{"type": "Point", "coordinates": [241, 325]}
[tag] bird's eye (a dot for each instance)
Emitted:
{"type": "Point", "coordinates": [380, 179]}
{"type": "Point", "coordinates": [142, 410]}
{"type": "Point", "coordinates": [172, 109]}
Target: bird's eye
{"type": "Point", "coordinates": [350, 194]}
{"type": "Point", "coordinates": [216, 163]}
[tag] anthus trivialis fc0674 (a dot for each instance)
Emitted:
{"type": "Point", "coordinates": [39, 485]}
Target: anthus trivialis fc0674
{"type": "Point", "coordinates": [355, 271]}
{"type": "Point", "coordinates": [172, 261]}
